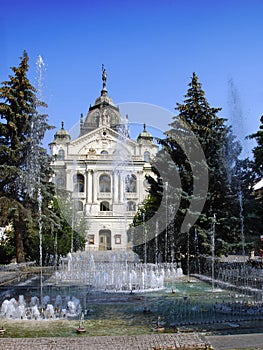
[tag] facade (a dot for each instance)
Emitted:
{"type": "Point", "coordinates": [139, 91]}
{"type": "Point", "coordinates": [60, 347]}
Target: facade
{"type": "Point", "coordinates": [258, 189]}
{"type": "Point", "coordinates": [104, 170]}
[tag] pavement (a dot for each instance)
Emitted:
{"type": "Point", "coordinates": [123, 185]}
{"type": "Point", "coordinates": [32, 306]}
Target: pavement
{"type": "Point", "coordinates": [193, 341]}
{"type": "Point", "coordinates": [183, 341]}
{"type": "Point", "coordinates": [237, 341]}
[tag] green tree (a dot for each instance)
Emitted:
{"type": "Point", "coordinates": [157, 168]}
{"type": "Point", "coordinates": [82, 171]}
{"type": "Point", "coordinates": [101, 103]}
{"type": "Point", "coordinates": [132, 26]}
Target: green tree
{"type": "Point", "coordinates": [221, 152]}
{"type": "Point", "coordinates": [24, 169]}
{"type": "Point", "coordinates": [257, 170]}
{"type": "Point", "coordinates": [258, 150]}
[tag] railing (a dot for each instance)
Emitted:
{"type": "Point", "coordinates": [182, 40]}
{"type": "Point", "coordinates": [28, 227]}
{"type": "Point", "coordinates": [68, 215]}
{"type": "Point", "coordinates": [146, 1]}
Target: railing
{"type": "Point", "coordinates": [105, 213]}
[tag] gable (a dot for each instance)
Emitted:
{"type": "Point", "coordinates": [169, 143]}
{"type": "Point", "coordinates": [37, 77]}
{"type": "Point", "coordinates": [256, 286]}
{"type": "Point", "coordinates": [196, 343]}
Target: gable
{"type": "Point", "coordinates": [103, 139]}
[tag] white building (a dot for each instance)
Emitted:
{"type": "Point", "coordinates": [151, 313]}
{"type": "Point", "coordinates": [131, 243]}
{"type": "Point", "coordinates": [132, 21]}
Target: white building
{"type": "Point", "coordinates": [105, 170]}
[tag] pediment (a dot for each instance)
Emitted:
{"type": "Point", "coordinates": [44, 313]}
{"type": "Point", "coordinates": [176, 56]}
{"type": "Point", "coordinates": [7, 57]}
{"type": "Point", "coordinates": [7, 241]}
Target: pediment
{"type": "Point", "coordinates": [101, 140]}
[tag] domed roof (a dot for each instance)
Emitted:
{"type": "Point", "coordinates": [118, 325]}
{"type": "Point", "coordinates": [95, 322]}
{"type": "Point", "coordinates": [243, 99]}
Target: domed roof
{"type": "Point", "coordinates": [145, 135]}
{"type": "Point", "coordinates": [104, 98]}
{"type": "Point", "coordinates": [62, 135]}
{"type": "Point", "coordinates": [103, 112]}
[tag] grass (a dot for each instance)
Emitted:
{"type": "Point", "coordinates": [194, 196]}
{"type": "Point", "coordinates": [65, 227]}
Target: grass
{"type": "Point", "coordinates": [65, 328]}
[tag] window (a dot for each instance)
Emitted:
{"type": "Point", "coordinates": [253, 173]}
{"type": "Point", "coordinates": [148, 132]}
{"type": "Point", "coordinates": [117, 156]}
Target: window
{"type": "Point", "coordinates": [117, 239]}
{"type": "Point", "coordinates": [104, 206]}
{"type": "Point", "coordinates": [91, 239]}
{"type": "Point", "coordinates": [130, 183]}
{"type": "Point", "coordinates": [79, 206]}
{"type": "Point", "coordinates": [147, 156]}
{"type": "Point", "coordinates": [61, 154]}
{"type": "Point", "coordinates": [105, 183]}
{"type": "Point", "coordinates": [131, 206]}
{"type": "Point", "coordinates": [60, 182]}
{"type": "Point", "coordinates": [104, 152]}
{"type": "Point", "coordinates": [78, 181]}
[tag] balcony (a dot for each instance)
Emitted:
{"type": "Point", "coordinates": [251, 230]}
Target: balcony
{"type": "Point", "coordinates": [131, 195]}
{"type": "Point", "coordinates": [78, 195]}
{"type": "Point", "coordinates": [105, 213]}
{"type": "Point", "coordinates": [104, 195]}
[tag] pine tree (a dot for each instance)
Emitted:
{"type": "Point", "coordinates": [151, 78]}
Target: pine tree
{"type": "Point", "coordinates": [258, 171]}
{"type": "Point", "coordinates": [198, 160]}
{"type": "Point", "coordinates": [221, 152]}
{"type": "Point", "coordinates": [24, 168]}
{"type": "Point", "coordinates": [258, 150]}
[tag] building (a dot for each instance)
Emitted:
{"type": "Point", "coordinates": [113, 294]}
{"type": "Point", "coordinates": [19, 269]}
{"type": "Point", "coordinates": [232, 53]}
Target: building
{"type": "Point", "coordinates": [258, 189]}
{"type": "Point", "coordinates": [104, 170]}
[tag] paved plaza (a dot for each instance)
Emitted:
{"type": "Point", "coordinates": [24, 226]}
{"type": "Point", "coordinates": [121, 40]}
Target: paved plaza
{"type": "Point", "coordinates": [183, 341]}
{"type": "Point", "coordinates": [192, 341]}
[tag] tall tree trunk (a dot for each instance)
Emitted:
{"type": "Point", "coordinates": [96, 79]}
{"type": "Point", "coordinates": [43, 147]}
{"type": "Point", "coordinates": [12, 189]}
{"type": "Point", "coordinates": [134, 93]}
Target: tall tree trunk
{"type": "Point", "coordinates": [19, 244]}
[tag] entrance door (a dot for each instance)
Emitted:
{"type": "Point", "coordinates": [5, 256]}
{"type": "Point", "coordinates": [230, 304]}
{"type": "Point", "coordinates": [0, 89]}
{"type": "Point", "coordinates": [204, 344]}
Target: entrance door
{"type": "Point", "coordinates": [105, 240]}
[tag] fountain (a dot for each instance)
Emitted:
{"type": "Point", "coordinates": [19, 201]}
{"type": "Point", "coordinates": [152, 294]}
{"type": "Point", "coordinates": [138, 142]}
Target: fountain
{"type": "Point", "coordinates": [107, 285]}
{"type": "Point", "coordinates": [111, 271]}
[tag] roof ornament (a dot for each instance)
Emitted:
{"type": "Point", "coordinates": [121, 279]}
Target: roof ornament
{"type": "Point", "coordinates": [104, 77]}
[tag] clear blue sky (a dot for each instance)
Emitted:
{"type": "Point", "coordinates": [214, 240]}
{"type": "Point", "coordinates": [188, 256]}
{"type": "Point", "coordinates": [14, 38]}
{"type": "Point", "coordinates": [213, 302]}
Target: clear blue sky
{"type": "Point", "coordinates": [150, 50]}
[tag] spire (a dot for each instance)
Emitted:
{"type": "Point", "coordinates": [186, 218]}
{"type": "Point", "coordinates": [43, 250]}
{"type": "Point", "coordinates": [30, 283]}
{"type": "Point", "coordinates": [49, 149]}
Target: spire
{"type": "Point", "coordinates": [62, 136]}
{"type": "Point", "coordinates": [145, 136]}
{"type": "Point", "coordinates": [81, 120]}
{"type": "Point", "coordinates": [104, 80]}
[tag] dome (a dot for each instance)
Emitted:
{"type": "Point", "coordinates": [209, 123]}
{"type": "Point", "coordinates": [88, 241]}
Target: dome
{"type": "Point", "coordinates": [104, 98]}
{"type": "Point", "coordinates": [62, 135]}
{"type": "Point", "coordinates": [103, 112]}
{"type": "Point", "coordinates": [144, 135]}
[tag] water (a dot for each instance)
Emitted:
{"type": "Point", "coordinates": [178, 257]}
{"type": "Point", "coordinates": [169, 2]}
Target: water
{"type": "Point", "coordinates": [113, 272]}
{"type": "Point", "coordinates": [179, 303]}
{"type": "Point", "coordinates": [110, 286]}
{"type": "Point", "coordinates": [240, 197]}
{"type": "Point", "coordinates": [37, 130]}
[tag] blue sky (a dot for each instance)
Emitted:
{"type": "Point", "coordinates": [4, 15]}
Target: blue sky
{"type": "Point", "coordinates": [150, 50]}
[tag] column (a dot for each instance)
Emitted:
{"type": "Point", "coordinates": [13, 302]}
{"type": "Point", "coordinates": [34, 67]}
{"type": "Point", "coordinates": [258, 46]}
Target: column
{"type": "Point", "coordinates": [115, 187]}
{"type": "Point", "coordinates": [121, 188]}
{"type": "Point", "coordinates": [95, 186]}
{"type": "Point", "coordinates": [89, 186]}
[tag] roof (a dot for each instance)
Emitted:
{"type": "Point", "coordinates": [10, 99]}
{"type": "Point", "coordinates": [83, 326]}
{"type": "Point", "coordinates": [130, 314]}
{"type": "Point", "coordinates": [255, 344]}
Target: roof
{"type": "Point", "coordinates": [258, 185]}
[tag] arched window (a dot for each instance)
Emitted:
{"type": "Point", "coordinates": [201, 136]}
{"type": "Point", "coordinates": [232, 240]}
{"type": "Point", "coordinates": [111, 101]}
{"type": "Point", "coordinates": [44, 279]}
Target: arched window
{"type": "Point", "coordinates": [78, 181]}
{"type": "Point", "coordinates": [61, 154]}
{"type": "Point", "coordinates": [79, 206]}
{"type": "Point", "coordinates": [105, 183]}
{"type": "Point", "coordinates": [147, 156]}
{"type": "Point", "coordinates": [104, 152]}
{"type": "Point", "coordinates": [60, 182]}
{"type": "Point", "coordinates": [130, 183]}
{"type": "Point", "coordinates": [131, 206]}
{"type": "Point", "coordinates": [104, 206]}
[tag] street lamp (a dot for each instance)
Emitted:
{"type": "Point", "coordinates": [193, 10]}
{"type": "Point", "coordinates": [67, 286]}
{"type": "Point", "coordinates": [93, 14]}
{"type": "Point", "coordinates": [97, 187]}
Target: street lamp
{"type": "Point", "coordinates": [166, 220]}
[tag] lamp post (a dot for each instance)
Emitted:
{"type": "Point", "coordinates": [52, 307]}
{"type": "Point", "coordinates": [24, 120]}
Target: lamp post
{"type": "Point", "coordinates": [188, 256]}
{"type": "Point", "coordinates": [166, 221]}
{"type": "Point", "coordinates": [156, 241]}
{"type": "Point", "coordinates": [72, 226]}
{"type": "Point", "coordinates": [144, 238]}
{"type": "Point", "coordinates": [213, 250]}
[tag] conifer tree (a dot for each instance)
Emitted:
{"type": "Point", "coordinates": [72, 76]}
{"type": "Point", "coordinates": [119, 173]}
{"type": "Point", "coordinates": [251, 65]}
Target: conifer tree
{"type": "Point", "coordinates": [258, 171]}
{"type": "Point", "coordinates": [24, 163]}
{"type": "Point", "coordinates": [258, 150]}
{"type": "Point", "coordinates": [221, 151]}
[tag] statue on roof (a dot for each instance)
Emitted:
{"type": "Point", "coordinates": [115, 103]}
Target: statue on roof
{"type": "Point", "coordinates": [104, 76]}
